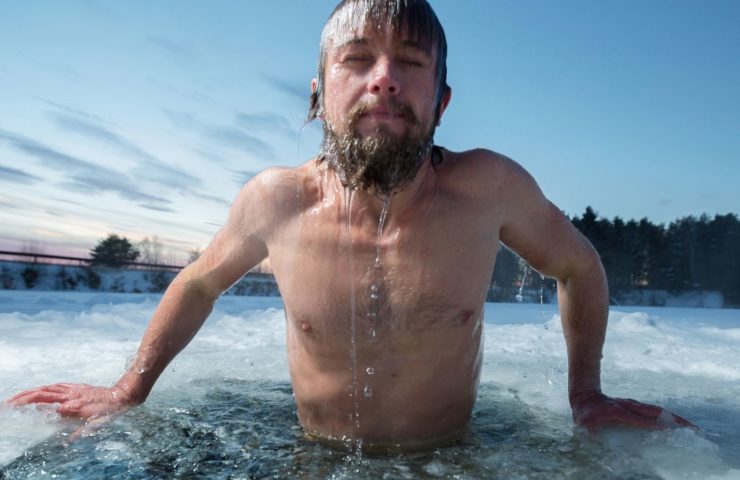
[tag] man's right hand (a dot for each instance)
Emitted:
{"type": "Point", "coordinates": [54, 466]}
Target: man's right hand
{"type": "Point", "coordinates": [77, 400]}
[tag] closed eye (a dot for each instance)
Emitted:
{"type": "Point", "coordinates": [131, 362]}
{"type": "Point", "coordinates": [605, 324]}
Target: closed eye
{"type": "Point", "coordinates": [412, 63]}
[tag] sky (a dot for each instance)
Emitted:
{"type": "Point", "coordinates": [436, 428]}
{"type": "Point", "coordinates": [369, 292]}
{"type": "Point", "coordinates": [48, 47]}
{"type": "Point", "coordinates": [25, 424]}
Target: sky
{"type": "Point", "coordinates": [145, 118]}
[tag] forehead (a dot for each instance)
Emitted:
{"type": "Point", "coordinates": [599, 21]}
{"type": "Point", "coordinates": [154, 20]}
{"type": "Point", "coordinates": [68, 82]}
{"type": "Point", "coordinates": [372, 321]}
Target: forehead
{"type": "Point", "coordinates": [360, 22]}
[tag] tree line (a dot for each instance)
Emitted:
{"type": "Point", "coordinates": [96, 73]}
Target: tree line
{"type": "Point", "coordinates": [689, 254]}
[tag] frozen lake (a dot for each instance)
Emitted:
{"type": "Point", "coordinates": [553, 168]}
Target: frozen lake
{"type": "Point", "coordinates": [224, 407]}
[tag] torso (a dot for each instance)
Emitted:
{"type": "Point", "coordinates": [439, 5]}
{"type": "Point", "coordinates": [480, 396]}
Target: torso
{"type": "Point", "coordinates": [386, 351]}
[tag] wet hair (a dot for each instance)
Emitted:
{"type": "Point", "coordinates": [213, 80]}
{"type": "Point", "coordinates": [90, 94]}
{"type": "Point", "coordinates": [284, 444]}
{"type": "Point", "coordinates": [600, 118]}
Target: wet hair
{"type": "Point", "coordinates": [413, 17]}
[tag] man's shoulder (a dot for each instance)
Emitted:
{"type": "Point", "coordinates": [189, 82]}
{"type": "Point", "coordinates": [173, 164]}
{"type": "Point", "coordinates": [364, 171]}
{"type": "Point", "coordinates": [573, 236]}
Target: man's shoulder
{"type": "Point", "coordinates": [279, 186]}
{"type": "Point", "coordinates": [479, 167]}
{"type": "Point", "coordinates": [275, 179]}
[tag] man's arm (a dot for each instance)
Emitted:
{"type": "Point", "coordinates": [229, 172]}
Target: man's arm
{"type": "Point", "coordinates": [534, 228]}
{"type": "Point", "coordinates": [239, 246]}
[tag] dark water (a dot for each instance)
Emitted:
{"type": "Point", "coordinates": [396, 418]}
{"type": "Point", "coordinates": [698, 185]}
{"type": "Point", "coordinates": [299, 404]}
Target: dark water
{"type": "Point", "coordinates": [249, 430]}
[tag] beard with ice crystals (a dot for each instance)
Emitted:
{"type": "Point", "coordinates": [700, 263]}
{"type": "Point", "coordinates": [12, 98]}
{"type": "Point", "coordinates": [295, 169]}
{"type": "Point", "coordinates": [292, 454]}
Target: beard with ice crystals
{"type": "Point", "coordinates": [381, 163]}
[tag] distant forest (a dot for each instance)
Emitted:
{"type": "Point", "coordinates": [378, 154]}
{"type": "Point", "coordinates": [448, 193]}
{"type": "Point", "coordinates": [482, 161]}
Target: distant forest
{"type": "Point", "coordinates": [689, 254]}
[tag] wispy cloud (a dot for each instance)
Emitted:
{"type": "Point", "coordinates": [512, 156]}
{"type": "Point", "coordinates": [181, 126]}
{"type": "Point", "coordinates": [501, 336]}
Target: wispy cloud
{"type": "Point", "coordinates": [213, 198]}
{"type": "Point", "coordinates": [6, 203]}
{"type": "Point", "coordinates": [82, 176]}
{"type": "Point", "coordinates": [175, 51]}
{"type": "Point", "coordinates": [51, 158]}
{"type": "Point", "coordinates": [182, 120]}
{"type": "Point", "coordinates": [97, 132]}
{"type": "Point", "coordinates": [236, 138]}
{"type": "Point", "coordinates": [163, 174]}
{"type": "Point", "coordinates": [227, 136]}
{"type": "Point", "coordinates": [72, 111]}
{"type": "Point", "coordinates": [298, 90]}
{"type": "Point", "coordinates": [157, 208]}
{"type": "Point", "coordinates": [103, 11]}
{"type": "Point", "coordinates": [17, 176]}
{"type": "Point", "coordinates": [241, 177]}
{"type": "Point", "coordinates": [266, 122]}
{"type": "Point", "coordinates": [209, 156]}
{"type": "Point", "coordinates": [87, 184]}
{"type": "Point", "coordinates": [66, 200]}
{"type": "Point", "coordinates": [149, 167]}
{"type": "Point", "coordinates": [197, 96]}
{"type": "Point", "coordinates": [57, 69]}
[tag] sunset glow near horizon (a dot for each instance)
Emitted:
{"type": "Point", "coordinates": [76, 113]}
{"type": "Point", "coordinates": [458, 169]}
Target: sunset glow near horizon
{"type": "Point", "coordinates": [145, 118]}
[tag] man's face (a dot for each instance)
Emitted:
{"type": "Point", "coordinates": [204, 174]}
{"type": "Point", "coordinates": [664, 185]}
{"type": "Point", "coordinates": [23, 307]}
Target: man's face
{"type": "Point", "coordinates": [379, 107]}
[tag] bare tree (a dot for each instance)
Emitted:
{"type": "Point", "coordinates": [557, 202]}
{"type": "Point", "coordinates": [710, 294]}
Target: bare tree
{"type": "Point", "coordinates": [151, 250]}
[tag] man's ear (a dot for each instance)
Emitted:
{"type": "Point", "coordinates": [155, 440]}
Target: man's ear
{"type": "Point", "coordinates": [444, 102]}
{"type": "Point", "coordinates": [314, 110]}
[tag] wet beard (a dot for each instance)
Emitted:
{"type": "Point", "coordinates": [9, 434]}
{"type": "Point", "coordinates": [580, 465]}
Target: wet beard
{"type": "Point", "coordinates": [381, 165]}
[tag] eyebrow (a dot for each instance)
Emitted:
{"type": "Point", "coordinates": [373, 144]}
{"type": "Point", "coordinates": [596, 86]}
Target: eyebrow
{"type": "Point", "coordinates": [362, 41]}
{"type": "Point", "coordinates": [351, 42]}
{"type": "Point", "coordinates": [416, 46]}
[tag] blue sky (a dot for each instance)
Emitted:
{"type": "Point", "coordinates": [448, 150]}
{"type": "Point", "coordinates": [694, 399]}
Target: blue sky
{"type": "Point", "coordinates": [144, 118]}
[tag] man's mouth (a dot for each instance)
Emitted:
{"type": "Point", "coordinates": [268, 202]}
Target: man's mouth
{"type": "Point", "coordinates": [383, 115]}
{"type": "Point", "coordinates": [386, 113]}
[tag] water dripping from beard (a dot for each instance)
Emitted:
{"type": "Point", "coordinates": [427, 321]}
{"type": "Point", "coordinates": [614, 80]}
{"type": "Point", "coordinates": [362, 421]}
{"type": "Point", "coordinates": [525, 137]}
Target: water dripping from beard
{"type": "Point", "coordinates": [382, 163]}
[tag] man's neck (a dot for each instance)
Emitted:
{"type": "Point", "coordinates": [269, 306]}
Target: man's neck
{"type": "Point", "coordinates": [400, 202]}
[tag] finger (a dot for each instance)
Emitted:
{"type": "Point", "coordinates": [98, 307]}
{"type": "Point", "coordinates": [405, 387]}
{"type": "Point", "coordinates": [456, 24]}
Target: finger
{"type": "Point", "coordinates": [24, 393]}
{"type": "Point", "coordinates": [64, 388]}
{"type": "Point", "coordinates": [38, 397]}
{"type": "Point", "coordinates": [58, 388]}
{"type": "Point", "coordinates": [639, 408]}
{"type": "Point", "coordinates": [681, 421]}
{"type": "Point", "coordinates": [623, 418]}
{"type": "Point", "coordinates": [34, 390]}
{"type": "Point", "coordinates": [654, 411]}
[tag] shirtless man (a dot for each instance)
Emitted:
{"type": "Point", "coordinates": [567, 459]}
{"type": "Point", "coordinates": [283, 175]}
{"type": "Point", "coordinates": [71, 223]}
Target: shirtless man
{"type": "Point", "coordinates": [383, 249]}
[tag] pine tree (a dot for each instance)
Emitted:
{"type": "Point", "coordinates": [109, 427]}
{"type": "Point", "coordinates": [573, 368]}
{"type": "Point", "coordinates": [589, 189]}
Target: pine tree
{"type": "Point", "coordinates": [114, 251]}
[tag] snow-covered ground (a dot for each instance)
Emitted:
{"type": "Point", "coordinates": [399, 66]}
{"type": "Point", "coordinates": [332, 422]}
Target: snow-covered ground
{"type": "Point", "coordinates": [683, 359]}
{"type": "Point", "coordinates": [51, 277]}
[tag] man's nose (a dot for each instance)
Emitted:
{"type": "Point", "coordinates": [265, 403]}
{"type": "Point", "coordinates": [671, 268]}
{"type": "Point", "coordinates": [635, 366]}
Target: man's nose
{"type": "Point", "coordinates": [385, 80]}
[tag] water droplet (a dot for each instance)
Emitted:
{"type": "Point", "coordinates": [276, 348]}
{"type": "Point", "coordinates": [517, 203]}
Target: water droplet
{"type": "Point", "coordinates": [370, 370]}
{"type": "Point", "coordinates": [368, 391]}
{"type": "Point", "coordinates": [371, 333]}
{"type": "Point", "coordinates": [374, 287]}
{"type": "Point", "coordinates": [374, 296]}
{"type": "Point", "coordinates": [372, 315]}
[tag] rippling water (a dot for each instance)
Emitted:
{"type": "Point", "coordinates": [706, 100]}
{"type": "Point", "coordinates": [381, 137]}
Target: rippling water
{"type": "Point", "coordinates": [224, 409]}
{"type": "Point", "coordinates": [239, 429]}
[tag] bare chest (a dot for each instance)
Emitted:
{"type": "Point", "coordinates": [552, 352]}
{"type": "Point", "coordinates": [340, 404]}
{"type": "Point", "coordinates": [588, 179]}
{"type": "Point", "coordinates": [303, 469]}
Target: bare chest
{"type": "Point", "coordinates": [425, 276]}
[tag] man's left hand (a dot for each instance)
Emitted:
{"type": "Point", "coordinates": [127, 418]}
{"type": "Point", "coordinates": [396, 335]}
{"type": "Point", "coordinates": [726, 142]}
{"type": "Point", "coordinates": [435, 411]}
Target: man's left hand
{"type": "Point", "coordinates": [594, 410]}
